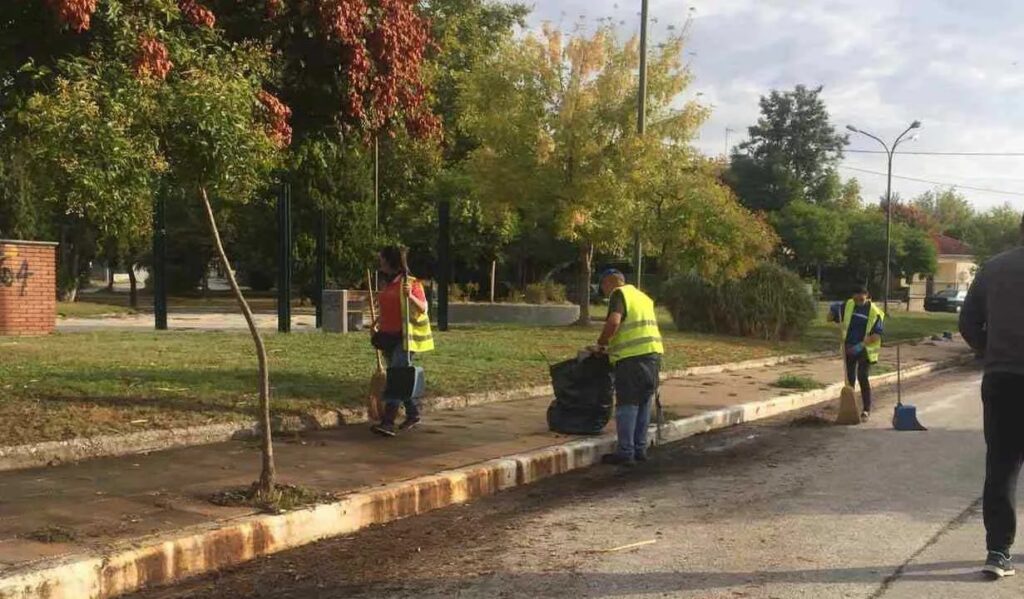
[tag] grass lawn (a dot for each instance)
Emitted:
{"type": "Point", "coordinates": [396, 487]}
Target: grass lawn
{"type": "Point", "coordinates": [81, 384]}
{"type": "Point", "coordinates": [90, 310]}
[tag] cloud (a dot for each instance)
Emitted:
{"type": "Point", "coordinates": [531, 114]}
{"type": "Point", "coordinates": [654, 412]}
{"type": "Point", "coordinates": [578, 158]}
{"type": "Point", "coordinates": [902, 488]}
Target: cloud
{"type": "Point", "coordinates": [883, 63]}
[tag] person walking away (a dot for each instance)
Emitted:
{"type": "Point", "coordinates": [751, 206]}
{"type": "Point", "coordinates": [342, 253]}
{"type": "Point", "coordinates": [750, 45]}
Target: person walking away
{"type": "Point", "coordinates": [862, 325]}
{"type": "Point", "coordinates": [632, 340]}
{"type": "Point", "coordinates": [992, 324]}
{"type": "Point", "coordinates": [402, 331]}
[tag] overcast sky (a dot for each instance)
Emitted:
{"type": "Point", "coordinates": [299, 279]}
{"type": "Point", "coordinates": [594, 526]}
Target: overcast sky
{"type": "Point", "coordinates": [953, 64]}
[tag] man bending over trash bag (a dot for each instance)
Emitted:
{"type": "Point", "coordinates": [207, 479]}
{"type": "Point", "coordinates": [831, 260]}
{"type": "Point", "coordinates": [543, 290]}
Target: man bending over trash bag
{"type": "Point", "coordinates": [632, 340]}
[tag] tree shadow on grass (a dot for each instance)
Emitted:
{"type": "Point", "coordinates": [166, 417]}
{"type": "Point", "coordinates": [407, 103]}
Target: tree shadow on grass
{"type": "Point", "coordinates": [223, 391]}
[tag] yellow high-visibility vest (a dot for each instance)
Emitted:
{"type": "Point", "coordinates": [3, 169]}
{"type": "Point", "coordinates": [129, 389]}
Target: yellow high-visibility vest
{"type": "Point", "coordinates": [874, 315]}
{"type": "Point", "coordinates": [416, 334]}
{"type": "Point", "coordinates": [638, 335]}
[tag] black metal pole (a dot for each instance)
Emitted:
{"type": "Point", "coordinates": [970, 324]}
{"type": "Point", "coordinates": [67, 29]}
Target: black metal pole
{"type": "Point", "coordinates": [284, 259]}
{"type": "Point", "coordinates": [160, 264]}
{"type": "Point", "coordinates": [641, 129]}
{"type": "Point", "coordinates": [444, 267]}
{"type": "Point", "coordinates": [321, 267]}
{"type": "Point", "coordinates": [376, 184]}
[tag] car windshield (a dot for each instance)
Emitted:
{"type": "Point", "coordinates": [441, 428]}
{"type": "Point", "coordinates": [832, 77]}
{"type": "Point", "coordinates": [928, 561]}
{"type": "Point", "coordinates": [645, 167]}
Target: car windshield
{"type": "Point", "coordinates": [947, 293]}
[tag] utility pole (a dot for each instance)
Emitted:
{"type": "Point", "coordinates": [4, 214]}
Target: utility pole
{"type": "Point", "coordinates": [641, 129]}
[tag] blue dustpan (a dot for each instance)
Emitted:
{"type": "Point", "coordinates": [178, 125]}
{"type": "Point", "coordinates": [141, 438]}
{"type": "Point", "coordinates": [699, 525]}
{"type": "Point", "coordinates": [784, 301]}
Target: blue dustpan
{"type": "Point", "coordinates": [904, 416]}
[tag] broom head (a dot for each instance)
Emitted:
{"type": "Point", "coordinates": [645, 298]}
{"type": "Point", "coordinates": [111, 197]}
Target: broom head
{"type": "Point", "coordinates": [849, 407]}
{"type": "Point", "coordinates": [375, 399]}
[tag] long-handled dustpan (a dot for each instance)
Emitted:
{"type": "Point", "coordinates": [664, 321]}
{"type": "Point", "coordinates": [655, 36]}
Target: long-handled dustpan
{"type": "Point", "coordinates": [379, 380]}
{"type": "Point", "coordinates": [904, 416]}
{"type": "Point", "coordinates": [850, 406]}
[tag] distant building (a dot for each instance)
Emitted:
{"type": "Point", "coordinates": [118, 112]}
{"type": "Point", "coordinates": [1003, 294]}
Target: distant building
{"type": "Point", "coordinates": [955, 270]}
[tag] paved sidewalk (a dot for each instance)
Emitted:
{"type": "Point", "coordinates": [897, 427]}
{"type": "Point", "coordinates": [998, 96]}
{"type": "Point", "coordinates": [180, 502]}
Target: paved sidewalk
{"type": "Point", "coordinates": [184, 321]}
{"type": "Point", "coordinates": [106, 501]}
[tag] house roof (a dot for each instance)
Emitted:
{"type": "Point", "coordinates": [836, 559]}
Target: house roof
{"type": "Point", "coordinates": [951, 246]}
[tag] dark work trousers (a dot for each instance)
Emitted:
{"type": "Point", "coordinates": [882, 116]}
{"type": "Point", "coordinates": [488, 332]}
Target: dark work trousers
{"type": "Point", "coordinates": [1003, 397]}
{"type": "Point", "coordinates": [857, 369]}
{"type": "Point", "coordinates": [636, 384]}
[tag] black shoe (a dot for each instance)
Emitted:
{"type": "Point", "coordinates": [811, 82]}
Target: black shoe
{"type": "Point", "coordinates": [640, 457]}
{"type": "Point", "coordinates": [384, 429]}
{"type": "Point", "coordinates": [409, 423]}
{"type": "Point", "coordinates": [614, 459]}
{"type": "Point", "coordinates": [998, 565]}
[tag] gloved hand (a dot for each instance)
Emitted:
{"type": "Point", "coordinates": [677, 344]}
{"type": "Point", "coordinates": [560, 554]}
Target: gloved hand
{"type": "Point", "coordinates": [854, 350]}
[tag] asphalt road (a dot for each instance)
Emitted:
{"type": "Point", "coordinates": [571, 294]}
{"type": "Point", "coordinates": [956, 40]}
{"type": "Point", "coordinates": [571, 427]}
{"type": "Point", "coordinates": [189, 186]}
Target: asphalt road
{"type": "Point", "coordinates": [792, 507]}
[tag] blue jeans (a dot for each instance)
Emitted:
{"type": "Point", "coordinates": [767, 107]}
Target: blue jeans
{"type": "Point", "coordinates": [401, 358]}
{"type": "Point", "coordinates": [631, 424]}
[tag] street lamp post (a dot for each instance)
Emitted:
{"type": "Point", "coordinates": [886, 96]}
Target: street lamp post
{"type": "Point", "coordinates": [641, 128]}
{"type": "Point", "coordinates": [890, 152]}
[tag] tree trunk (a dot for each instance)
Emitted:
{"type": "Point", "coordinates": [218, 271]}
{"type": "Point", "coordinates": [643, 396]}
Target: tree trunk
{"type": "Point", "coordinates": [266, 489]}
{"type": "Point", "coordinates": [586, 259]}
{"type": "Point", "coordinates": [133, 288]}
{"type": "Point", "coordinates": [71, 292]}
{"type": "Point", "coordinates": [110, 276]}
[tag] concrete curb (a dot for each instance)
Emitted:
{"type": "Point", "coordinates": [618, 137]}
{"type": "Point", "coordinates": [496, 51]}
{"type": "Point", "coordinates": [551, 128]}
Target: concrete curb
{"type": "Point", "coordinates": [165, 559]}
{"type": "Point", "coordinates": [51, 453]}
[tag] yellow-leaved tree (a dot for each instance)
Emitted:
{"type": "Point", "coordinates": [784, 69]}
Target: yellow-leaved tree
{"type": "Point", "coordinates": [556, 117]}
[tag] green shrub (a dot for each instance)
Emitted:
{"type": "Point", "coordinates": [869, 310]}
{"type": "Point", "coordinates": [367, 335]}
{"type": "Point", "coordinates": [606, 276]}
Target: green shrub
{"type": "Point", "coordinates": [769, 303]}
{"type": "Point", "coordinates": [536, 294]}
{"type": "Point", "coordinates": [554, 292]}
{"type": "Point", "coordinates": [456, 293]}
{"type": "Point", "coordinates": [515, 297]}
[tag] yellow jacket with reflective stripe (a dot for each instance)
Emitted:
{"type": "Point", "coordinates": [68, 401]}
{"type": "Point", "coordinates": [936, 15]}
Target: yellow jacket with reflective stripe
{"type": "Point", "coordinates": [874, 315]}
{"type": "Point", "coordinates": [416, 334]}
{"type": "Point", "coordinates": [638, 335]}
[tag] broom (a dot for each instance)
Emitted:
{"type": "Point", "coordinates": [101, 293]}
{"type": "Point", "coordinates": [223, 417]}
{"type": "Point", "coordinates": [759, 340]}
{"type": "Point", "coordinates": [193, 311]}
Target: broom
{"type": "Point", "coordinates": [379, 380]}
{"type": "Point", "coordinates": [849, 406]}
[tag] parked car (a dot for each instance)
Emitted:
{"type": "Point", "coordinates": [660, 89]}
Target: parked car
{"type": "Point", "coordinates": [947, 300]}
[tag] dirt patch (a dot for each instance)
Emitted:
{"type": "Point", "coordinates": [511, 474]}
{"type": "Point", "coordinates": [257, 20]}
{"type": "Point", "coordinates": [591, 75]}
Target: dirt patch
{"type": "Point", "coordinates": [53, 534]}
{"type": "Point", "coordinates": [812, 421]}
{"type": "Point", "coordinates": [286, 498]}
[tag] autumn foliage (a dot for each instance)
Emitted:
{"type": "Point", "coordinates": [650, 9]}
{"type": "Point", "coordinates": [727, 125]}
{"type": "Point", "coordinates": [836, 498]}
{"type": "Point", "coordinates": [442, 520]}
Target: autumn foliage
{"type": "Point", "coordinates": [383, 49]}
{"type": "Point", "coordinates": [197, 14]}
{"type": "Point", "coordinates": [277, 114]}
{"type": "Point", "coordinates": [382, 45]}
{"type": "Point", "coordinates": [153, 61]}
{"type": "Point", "coordinates": [76, 14]}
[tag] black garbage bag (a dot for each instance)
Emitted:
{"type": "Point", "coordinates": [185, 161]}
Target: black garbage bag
{"type": "Point", "coordinates": [584, 396]}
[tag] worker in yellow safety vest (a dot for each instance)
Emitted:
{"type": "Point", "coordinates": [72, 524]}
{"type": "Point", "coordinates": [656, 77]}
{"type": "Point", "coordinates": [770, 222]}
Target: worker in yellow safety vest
{"type": "Point", "coordinates": [632, 340]}
{"type": "Point", "coordinates": [403, 330]}
{"type": "Point", "coordinates": [862, 324]}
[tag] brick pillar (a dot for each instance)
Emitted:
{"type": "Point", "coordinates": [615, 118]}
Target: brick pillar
{"type": "Point", "coordinates": [28, 287]}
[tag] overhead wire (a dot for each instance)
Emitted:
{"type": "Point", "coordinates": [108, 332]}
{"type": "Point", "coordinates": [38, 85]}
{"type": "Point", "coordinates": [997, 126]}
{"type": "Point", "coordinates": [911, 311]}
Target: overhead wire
{"type": "Point", "coordinates": [931, 182]}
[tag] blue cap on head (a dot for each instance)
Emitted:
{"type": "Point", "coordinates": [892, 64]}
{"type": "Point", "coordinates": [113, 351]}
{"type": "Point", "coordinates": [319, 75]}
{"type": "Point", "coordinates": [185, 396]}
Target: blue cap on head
{"type": "Point", "coordinates": [612, 272]}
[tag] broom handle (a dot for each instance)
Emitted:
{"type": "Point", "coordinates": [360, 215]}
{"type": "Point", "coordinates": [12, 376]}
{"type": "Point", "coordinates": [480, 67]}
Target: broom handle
{"type": "Point", "coordinates": [373, 318]}
{"type": "Point", "coordinates": [899, 378]}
